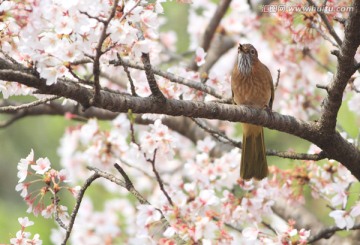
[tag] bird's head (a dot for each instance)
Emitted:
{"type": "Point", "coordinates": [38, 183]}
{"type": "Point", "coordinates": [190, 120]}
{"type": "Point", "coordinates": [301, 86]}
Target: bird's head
{"type": "Point", "coordinates": [247, 56]}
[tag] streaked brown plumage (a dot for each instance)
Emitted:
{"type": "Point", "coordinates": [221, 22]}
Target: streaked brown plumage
{"type": "Point", "coordinates": [252, 85]}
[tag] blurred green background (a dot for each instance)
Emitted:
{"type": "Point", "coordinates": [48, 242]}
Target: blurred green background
{"type": "Point", "coordinates": [43, 133]}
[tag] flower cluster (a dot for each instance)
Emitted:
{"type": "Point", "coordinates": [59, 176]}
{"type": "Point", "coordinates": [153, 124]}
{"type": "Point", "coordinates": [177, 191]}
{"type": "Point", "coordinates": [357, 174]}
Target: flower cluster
{"type": "Point", "coordinates": [23, 237]}
{"type": "Point", "coordinates": [46, 184]}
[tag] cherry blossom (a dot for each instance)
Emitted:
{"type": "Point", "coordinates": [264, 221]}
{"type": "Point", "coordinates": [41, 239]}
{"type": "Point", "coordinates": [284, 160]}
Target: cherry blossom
{"type": "Point", "coordinates": [147, 215]}
{"type": "Point", "coordinates": [342, 219]}
{"type": "Point", "coordinates": [200, 56]}
{"type": "Point", "coordinates": [41, 166]}
{"type": "Point", "coordinates": [23, 166]}
{"type": "Point", "coordinates": [250, 233]}
{"type": "Point", "coordinates": [25, 222]}
{"type": "Point", "coordinates": [23, 237]}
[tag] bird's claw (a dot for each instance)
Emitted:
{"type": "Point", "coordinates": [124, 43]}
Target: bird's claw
{"type": "Point", "coordinates": [269, 111]}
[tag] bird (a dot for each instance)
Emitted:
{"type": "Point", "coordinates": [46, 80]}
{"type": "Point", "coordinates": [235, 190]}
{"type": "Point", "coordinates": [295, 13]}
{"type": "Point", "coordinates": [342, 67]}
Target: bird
{"type": "Point", "coordinates": [252, 85]}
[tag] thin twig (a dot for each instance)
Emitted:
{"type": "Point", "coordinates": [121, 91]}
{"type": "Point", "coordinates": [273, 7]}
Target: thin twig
{"type": "Point", "coordinates": [324, 35]}
{"type": "Point", "coordinates": [138, 169]}
{"type": "Point", "coordinates": [296, 156]}
{"type": "Point", "coordinates": [340, 20]}
{"type": "Point", "coordinates": [269, 227]}
{"type": "Point", "coordinates": [99, 53]}
{"type": "Point", "coordinates": [28, 105]}
{"type": "Point", "coordinates": [155, 90]}
{"type": "Point", "coordinates": [211, 28]}
{"type": "Point", "coordinates": [327, 23]}
{"type": "Point", "coordinates": [170, 76]}
{"type": "Point", "coordinates": [77, 205]}
{"type": "Point", "coordinates": [214, 23]}
{"type": "Point", "coordinates": [129, 185]}
{"type": "Point", "coordinates": [159, 180]}
{"type": "Point", "coordinates": [129, 12]}
{"type": "Point", "coordinates": [13, 119]}
{"type": "Point", "coordinates": [289, 155]}
{"type": "Point", "coordinates": [228, 225]}
{"type": "Point", "coordinates": [217, 134]}
{"type": "Point", "coordinates": [277, 80]}
{"type": "Point", "coordinates": [57, 218]}
{"type": "Point", "coordinates": [325, 87]}
{"type": "Point", "coordinates": [126, 69]}
{"type": "Point", "coordinates": [328, 232]}
{"type": "Point", "coordinates": [76, 76]}
{"type": "Point", "coordinates": [306, 52]}
{"type": "Point", "coordinates": [173, 78]}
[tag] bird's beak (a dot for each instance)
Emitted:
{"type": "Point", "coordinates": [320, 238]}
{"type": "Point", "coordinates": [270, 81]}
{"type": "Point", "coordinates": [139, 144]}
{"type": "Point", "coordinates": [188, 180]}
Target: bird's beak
{"type": "Point", "coordinates": [240, 48]}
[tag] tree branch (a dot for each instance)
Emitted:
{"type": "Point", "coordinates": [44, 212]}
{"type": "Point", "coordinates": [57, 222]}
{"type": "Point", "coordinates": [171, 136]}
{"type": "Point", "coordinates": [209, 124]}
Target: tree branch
{"type": "Point", "coordinates": [328, 232]}
{"type": "Point", "coordinates": [158, 95]}
{"type": "Point", "coordinates": [211, 28]}
{"type": "Point", "coordinates": [158, 178]}
{"type": "Point", "coordinates": [180, 80]}
{"type": "Point", "coordinates": [129, 185]}
{"type": "Point", "coordinates": [345, 69]}
{"type": "Point", "coordinates": [327, 23]}
{"type": "Point", "coordinates": [28, 105]}
{"type": "Point", "coordinates": [99, 52]}
{"type": "Point", "coordinates": [77, 205]}
{"type": "Point", "coordinates": [331, 143]}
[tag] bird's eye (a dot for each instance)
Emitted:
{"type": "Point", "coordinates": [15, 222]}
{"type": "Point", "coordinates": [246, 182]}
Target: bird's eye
{"type": "Point", "coordinates": [252, 51]}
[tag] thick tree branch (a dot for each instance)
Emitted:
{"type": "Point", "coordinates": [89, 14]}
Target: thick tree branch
{"type": "Point", "coordinates": [181, 125]}
{"type": "Point", "coordinates": [345, 69]}
{"type": "Point", "coordinates": [333, 145]}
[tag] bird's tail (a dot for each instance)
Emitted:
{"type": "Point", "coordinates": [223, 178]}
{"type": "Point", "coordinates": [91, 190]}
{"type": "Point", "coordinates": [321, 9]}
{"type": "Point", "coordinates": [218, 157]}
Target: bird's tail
{"type": "Point", "coordinates": [253, 157]}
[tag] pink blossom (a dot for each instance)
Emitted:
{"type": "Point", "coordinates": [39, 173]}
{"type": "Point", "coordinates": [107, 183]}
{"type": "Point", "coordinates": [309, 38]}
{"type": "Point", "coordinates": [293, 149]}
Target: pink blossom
{"type": "Point", "coordinates": [149, 18]}
{"type": "Point", "coordinates": [140, 47]}
{"type": "Point", "coordinates": [48, 211]}
{"type": "Point", "coordinates": [36, 240]}
{"type": "Point", "coordinates": [205, 145]}
{"type": "Point", "coordinates": [23, 187]}
{"type": "Point", "coordinates": [25, 222]}
{"type": "Point", "coordinates": [75, 190]}
{"type": "Point", "coordinates": [20, 239]}
{"type": "Point", "coordinates": [250, 233]}
{"type": "Point", "coordinates": [355, 210]}
{"type": "Point", "coordinates": [205, 228]}
{"type": "Point", "coordinates": [208, 198]}
{"type": "Point", "coordinates": [200, 56]}
{"type": "Point", "coordinates": [42, 165]}
{"type": "Point", "coordinates": [23, 166]}
{"type": "Point", "coordinates": [341, 196]}
{"type": "Point", "coordinates": [342, 219]}
{"type": "Point", "coordinates": [147, 214]}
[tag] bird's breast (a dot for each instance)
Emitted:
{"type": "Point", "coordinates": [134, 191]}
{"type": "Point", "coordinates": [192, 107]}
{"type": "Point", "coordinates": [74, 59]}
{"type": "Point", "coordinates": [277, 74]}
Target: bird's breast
{"type": "Point", "coordinates": [252, 90]}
